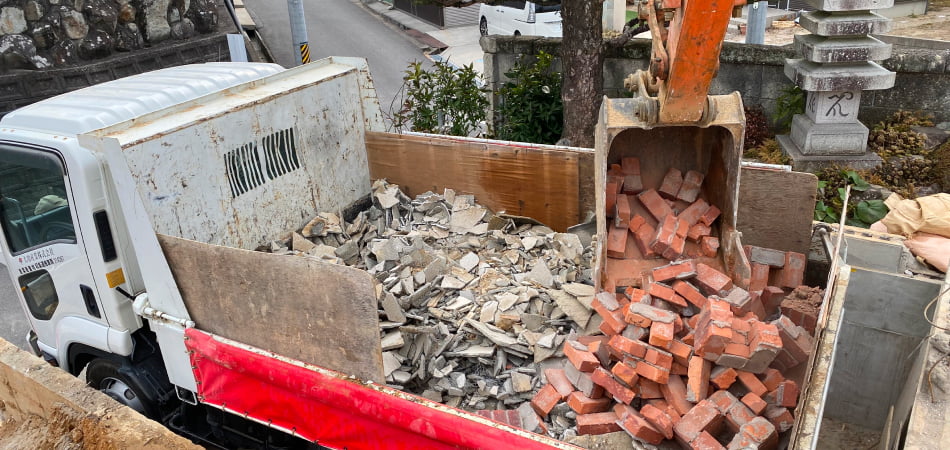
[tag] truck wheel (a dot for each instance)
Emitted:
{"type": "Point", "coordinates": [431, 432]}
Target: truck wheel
{"type": "Point", "coordinates": [113, 379]}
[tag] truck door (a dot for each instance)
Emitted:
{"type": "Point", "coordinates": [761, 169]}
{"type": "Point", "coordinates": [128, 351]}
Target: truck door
{"type": "Point", "coordinates": [43, 248]}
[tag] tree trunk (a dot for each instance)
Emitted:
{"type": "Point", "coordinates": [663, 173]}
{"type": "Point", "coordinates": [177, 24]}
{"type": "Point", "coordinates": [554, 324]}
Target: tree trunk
{"type": "Point", "coordinates": [582, 60]}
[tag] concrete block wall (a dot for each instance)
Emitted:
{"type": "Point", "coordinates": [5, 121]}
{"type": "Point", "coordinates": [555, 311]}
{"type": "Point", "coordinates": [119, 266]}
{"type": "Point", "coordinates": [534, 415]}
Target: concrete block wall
{"type": "Point", "coordinates": [44, 407]}
{"type": "Point", "coordinates": [756, 71]}
{"type": "Point", "coordinates": [21, 88]}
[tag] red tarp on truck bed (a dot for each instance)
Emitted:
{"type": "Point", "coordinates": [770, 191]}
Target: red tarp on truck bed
{"type": "Point", "coordinates": [335, 411]}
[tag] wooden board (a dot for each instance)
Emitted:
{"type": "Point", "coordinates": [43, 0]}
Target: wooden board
{"type": "Point", "coordinates": [542, 182]}
{"type": "Point", "coordinates": [319, 313]}
{"type": "Point", "coordinates": [776, 208]}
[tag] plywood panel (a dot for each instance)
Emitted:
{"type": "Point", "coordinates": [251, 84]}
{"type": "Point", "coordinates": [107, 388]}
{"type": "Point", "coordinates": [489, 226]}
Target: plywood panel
{"type": "Point", "coordinates": [541, 182]}
{"type": "Point", "coordinates": [315, 312]}
{"type": "Point", "coordinates": [776, 208]}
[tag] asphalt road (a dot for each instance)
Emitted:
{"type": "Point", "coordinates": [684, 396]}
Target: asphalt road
{"type": "Point", "coordinates": [340, 28]}
{"type": "Point", "coordinates": [13, 323]}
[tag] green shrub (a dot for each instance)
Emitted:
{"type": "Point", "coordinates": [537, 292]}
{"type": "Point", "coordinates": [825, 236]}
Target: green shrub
{"type": "Point", "coordinates": [530, 108]}
{"type": "Point", "coordinates": [444, 99]}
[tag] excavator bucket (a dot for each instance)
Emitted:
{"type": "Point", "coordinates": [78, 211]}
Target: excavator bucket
{"type": "Point", "coordinates": [712, 147]}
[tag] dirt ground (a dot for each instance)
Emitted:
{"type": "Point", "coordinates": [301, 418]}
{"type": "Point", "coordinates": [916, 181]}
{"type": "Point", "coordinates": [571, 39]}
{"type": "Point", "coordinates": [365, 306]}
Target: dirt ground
{"type": "Point", "coordinates": [933, 25]}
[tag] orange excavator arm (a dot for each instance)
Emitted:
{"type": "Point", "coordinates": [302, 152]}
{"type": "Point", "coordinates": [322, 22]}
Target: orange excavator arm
{"type": "Point", "coordinates": [685, 56]}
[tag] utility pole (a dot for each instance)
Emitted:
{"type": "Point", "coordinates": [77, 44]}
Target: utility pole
{"type": "Point", "coordinates": [755, 23]}
{"type": "Point", "coordinates": [298, 31]}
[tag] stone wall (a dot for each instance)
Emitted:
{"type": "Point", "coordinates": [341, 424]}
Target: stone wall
{"type": "Point", "coordinates": [756, 71]}
{"type": "Point", "coordinates": [41, 34]}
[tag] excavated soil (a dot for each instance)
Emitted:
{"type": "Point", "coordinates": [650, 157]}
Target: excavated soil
{"type": "Point", "coordinates": [804, 299]}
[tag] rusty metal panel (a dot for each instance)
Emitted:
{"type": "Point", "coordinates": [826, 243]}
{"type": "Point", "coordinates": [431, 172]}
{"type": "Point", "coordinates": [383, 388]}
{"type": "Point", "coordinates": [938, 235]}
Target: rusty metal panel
{"type": "Point", "coordinates": [319, 313]}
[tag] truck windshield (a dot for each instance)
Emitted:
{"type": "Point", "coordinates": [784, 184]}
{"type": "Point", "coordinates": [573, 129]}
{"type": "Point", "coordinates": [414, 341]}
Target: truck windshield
{"type": "Point", "coordinates": [34, 209]}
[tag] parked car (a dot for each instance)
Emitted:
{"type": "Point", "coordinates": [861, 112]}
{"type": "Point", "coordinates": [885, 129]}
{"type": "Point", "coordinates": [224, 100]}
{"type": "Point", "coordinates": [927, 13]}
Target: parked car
{"type": "Point", "coordinates": [520, 17]}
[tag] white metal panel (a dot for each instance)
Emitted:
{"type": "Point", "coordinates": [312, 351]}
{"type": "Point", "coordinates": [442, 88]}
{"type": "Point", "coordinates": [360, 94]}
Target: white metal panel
{"type": "Point", "coordinates": [124, 99]}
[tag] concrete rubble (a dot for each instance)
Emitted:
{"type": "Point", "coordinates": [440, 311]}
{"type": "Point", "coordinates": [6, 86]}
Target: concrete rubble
{"type": "Point", "coordinates": [469, 300]}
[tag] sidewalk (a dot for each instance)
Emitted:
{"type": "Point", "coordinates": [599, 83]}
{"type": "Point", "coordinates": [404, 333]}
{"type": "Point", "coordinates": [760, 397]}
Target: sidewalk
{"type": "Point", "coordinates": [457, 45]}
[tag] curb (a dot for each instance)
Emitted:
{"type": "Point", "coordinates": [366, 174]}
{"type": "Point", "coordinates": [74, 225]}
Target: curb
{"type": "Point", "coordinates": [422, 40]}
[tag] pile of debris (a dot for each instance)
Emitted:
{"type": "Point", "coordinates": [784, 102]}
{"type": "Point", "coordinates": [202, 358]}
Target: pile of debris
{"type": "Point", "coordinates": [469, 299]}
{"type": "Point", "coordinates": [686, 354]}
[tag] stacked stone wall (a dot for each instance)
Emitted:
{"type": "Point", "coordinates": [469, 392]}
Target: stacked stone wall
{"type": "Point", "coordinates": [44, 34]}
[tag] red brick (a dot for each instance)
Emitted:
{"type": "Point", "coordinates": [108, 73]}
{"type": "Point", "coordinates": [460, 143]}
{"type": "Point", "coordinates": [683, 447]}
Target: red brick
{"type": "Point", "coordinates": [582, 404]}
{"type": "Point", "coordinates": [703, 417]}
{"type": "Point", "coordinates": [628, 346]}
{"type": "Point", "coordinates": [737, 350]}
{"type": "Point", "coordinates": [662, 405]}
{"type": "Point", "coordinates": [711, 281]}
{"type": "Point", "coordinates": [690, 293]}
{"type": "Point", "coordinates": [616, 242]}
{"type": "Point", "coordinates": [653, 373]}
{"type": "Point", "coordinates": [692, 184]}
{"type": "Point", "coordinates": [614, 322]}
{"type": "Point", "coordinates": [506, 416]}
{"type": "Point", "coordinates": [587, 340]}
{"type": "Point", "coordinates": [737, 416]}
{"type": "Point", "coordinates": [638, 427]}
{"type": "Point", "coordinates": [654, 204]}
{"type": "Point", "coordinates": [665, 234]}
{"type": "Point", "coordinates": [615, 169]}
{"type": "Point", "coordinates": [558, 379]}
{"type": "Point", "coordinates": [649, 388]}
{"type": "Point", "coordinates": [706, 441]}
{"type": "Point", "coordinates": [679, 369]}
{"type": "Point", "coordinates": [760, 277]}
{"type": "Point", "coordinates": [626, 373]}
{"type": "Point", "coordinates": [786, 394]}
{"type": "Point", "coordinates": [610, 384]}
{"type": "Point", "coordinates": [677, 270]}
{"type": "Point", "coordinates": [636, 222]}
{"type": "Point", "coordinates": [681, 352]}
{"type": "Point", "coordinates": [710, 215]}
{"type": "Point", "coordinates": [758, 433]}
{"type": "Point", "coordinates": [771, 378]}
{"type": "Point", "coordinates": [661, 334]}
{"type": "Point", "coordinates": [671, 184]}
{"type": "Point", "coordinates": [723, 377]}
{"type": "Point", "coordinates": [749, 380]}
{"type": "Point", "coordinates": [643, 238]}
{"type": "Point", "coordinates": [780, 417]}
{"type": "Point", "coordinates": [795, 340]}
{"type": "Point", "coordinates": [622, 217]}
{"type": "Point", "coordinates": [679, 242]}
{"type": "Point", "coordinates": [580, 357]}
{"type": "Point", "coordinates": [659, 419]}
{"type": "Point", "coordinates": [601, 351]}
{"type": "Point", "coordinates": [693, 212]}
{"type": "Point", "coordinates": [597, 423]}
{"type": "Point", "coordinates": [630, 165]}
{"type": "Point", "coordinates": [709, 246]}
{"type": "Point", "coordinates": [697, 385]}
{"type": "Point", "coordinates": [792, 274]}
{"type": "Point", "coordinates": [545, 400]}
{"type": "Point", "coordinates": [674, 391]}
{"type": "Point", "coordinates": [632, 184]}
{"type": "Point", "coordinates": [772, 297]}
{"type": "Point", "coordinates": [662, 291]}
{"type": "Point", "coordinates": [755, 403]}
{"type": "Point", "coordinates": [636, 295]}
{"type": "Point", "coordinates": [723, 401]}
{"type": "Point", "coordinates": [659, 358]}
{"type": "Point", "coordinates": [610, 198]}
{"type": "Point", "coordinates": [698, 231]}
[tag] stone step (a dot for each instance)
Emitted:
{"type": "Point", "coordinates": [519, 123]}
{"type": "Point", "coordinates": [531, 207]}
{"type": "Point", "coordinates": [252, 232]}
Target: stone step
{"type": "Point", "coordinates": [858, 76]}
{"type": "Point", "coordinates": [850, 5]}
{"type": "Point", "coordinates": [824, 23]}
{"type": "Point", "coordinates": [820, 49]}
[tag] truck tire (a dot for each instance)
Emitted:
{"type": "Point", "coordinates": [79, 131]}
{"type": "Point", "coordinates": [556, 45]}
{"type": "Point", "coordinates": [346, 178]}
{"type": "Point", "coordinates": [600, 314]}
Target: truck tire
{"type": "Point", "coordinates": [116, 379]}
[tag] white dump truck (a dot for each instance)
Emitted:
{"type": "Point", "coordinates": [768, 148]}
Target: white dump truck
{"type": "Point", "coordinates": [130, 211]}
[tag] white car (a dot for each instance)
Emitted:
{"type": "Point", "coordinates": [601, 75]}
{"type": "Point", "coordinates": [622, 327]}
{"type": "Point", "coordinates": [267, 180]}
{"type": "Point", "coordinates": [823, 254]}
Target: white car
{"type": "Point", "coordinates": [520, 17]}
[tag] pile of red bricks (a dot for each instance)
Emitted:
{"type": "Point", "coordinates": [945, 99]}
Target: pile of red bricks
{"type": "Point", "coordinates": [685, 354]}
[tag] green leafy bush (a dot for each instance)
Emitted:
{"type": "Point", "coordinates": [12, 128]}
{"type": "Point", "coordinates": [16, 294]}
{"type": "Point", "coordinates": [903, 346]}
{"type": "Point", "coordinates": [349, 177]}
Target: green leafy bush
{"type": "Point", "coordinates": [790, 102]}
{"type": "Point", "coordinates": [530, 108]}
{"type": "Point", "coordinates": [444, 99]}
{"type": "Point", "coordinates": [831, 191]}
